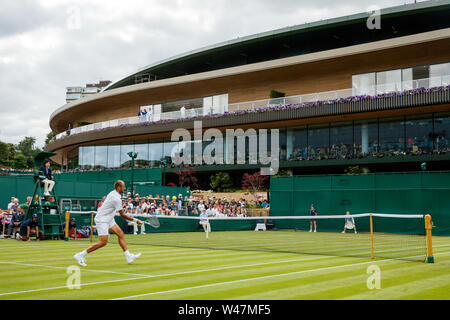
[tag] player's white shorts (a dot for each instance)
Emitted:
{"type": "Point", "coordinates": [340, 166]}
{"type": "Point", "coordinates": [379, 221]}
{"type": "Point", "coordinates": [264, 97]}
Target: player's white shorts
{"type": "Point", "coordinates": [103, 227]}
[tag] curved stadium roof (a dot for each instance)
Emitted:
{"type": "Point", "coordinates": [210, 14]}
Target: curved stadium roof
{"type": "Point", "coordinates": [298, 40]}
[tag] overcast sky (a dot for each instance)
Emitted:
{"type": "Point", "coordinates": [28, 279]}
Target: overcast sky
{"type": "Point", "coordinates": [47, 45]}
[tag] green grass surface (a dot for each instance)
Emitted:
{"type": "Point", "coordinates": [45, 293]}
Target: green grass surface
{"type": "Point", "coordinates": [186, 266]}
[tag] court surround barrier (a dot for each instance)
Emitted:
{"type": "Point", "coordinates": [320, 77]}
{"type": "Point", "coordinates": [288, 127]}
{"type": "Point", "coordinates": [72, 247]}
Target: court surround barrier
{"type": "Point", "coordinates": [80, 186]}
{"type": "Point", "coordinates": [395, 193]}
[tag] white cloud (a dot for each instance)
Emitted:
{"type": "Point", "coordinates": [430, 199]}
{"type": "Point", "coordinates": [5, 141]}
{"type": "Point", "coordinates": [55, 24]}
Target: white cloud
{"type": "Point", "coordinates": [40, 54]}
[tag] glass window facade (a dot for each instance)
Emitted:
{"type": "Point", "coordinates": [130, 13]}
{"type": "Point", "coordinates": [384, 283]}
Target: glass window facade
{"type": "Point", "coordinates": [391, 133]}
{"type": "Point", "coordinates": [318, 141]}
{"type": "Point", "coordinates": [419, 134]}
{"type": "Point", "coordinates": [424, 76]}
{"type": "Point", "coordinates": [365, 135]}
{"type": "Point", "coordinates": [410, 135]}
{"type": "Point", "coordinates": [388, 81]}
{"type": "Point", "coordinates": [114, 156]}
{"type": "Point", "coordinates": [341, 141]}
{"type": "Point", "coordinates": [441, 133]}
{"type": "Point", "coordinates": [364, 84]}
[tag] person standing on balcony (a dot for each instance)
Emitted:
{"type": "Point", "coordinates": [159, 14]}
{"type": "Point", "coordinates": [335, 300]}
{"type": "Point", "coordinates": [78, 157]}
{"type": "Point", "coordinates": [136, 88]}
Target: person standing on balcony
{"type": "Point", "coordinates": [192, 112]}
{"type": "Point", "coordinates": [69, 128]}
{"type": "Point", "coordinates": [183, 112]}
{"type": "Point", "coordinates": [150, 114]}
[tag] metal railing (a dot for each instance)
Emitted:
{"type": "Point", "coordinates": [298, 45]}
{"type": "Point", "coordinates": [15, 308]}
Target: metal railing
{"type": "Point", "coordinates": [259, 104]}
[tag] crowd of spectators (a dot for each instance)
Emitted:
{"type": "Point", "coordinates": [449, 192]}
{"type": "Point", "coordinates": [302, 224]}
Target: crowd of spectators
{"type": "Point", "coordinates": [190, 206]}
{"type": "Point", "coordinates": [177, 206]}
{"type": "Point", "coordinates": [12, 218]}
{"type": "Point", "coordinates": [344, 151]}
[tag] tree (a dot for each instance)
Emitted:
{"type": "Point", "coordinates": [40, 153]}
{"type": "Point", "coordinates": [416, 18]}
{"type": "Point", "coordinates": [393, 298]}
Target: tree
{"type": "Point", "coordinates": [26, 146]}
{"type": "Point", "coordinates": [186, 177]}
{"type": "Point", "coordinates": [49, 138]}
{"type": "Point", "coordinates": [4, 153]}
{"type": "Point", "coordinates": [7, 154]}
{"type": "Point", "coordinates": [221, 182]}
{"type": "Point", "coordinates": [254, 183]}
{"type": "Point", "coordinates": [20, 161]}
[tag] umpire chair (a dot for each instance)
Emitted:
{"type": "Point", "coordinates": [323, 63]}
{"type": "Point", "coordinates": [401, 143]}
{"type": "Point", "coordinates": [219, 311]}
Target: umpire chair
{"type": "Point", "coordinates": [46, 207]}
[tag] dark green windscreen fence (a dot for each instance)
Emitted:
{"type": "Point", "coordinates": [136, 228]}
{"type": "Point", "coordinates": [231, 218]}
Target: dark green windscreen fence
{"type": "Point", "coordinates": [408, 193]}
{"type": "Point", "coordinates": [84, 185]}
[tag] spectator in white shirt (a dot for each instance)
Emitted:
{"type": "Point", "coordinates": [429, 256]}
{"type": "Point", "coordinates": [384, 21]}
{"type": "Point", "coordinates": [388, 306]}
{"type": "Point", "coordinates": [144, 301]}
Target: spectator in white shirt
{"type": "Point", "coordinates": [150, 114]}
{"type": "Point", "coordinates": [201, 206]}
{"type": "Point", "coordinates": [11, 203]}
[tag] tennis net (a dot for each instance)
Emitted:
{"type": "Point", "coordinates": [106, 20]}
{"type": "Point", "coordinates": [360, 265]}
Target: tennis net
{"type": "Point", "coordinates": [396, 236]}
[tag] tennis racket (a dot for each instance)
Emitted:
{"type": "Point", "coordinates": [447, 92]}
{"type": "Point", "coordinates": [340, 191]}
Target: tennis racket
{"type": "Point", "coordinates": [152, 222]}
{"type": "Point", "coordinates": [349, 225]}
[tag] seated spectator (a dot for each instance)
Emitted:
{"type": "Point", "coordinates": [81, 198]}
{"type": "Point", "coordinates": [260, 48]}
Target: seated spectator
{"type": "Point", "coordinates": [5, 220]}
{"type": "Point", "coordinates": [11, 203]}
{"type": "Point", "coordinates": [130, 208]}
{"type": "Point", "coordinates": [16, 219]}
{"type": "Point", "coordinates": [25, 205]}
{"type": "Point", "coordinates": [142, 207]}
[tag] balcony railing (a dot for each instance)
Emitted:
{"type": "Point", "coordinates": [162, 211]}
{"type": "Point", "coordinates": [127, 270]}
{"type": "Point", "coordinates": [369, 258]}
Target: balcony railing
{"type": "Point", "coordinates": [258, 104]}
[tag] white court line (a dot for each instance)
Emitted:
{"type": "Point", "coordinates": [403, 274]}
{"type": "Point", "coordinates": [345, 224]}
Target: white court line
{"type": "Point", "coordinates": [187, 272]}
{"type": "Point", "coordinates": [170, 274]}
{"type": "Point", "coordinates": [144, 276]}
{"type": "Point", "coordinates": [256, 278]}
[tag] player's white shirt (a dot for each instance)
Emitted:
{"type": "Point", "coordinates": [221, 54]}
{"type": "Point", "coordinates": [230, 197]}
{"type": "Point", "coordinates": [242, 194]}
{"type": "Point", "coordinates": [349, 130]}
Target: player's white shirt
{"type": "Point", "coordinates": [203, 216]}
{"type": "Point", "coordinates": [200, 207]}
{"type": "Point", "coordinates": [110, 206]}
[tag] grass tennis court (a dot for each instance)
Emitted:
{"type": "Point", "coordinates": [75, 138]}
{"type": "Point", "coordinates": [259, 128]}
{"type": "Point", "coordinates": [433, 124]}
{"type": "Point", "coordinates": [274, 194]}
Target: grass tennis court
{"type": "Point", "coordinates": [174, 269]}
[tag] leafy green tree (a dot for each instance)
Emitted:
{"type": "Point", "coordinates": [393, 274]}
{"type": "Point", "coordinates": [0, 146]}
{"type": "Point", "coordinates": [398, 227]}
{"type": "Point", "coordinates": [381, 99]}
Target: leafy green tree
{"type": "Point", "coordinates": [4, 153]}
{"type": "Point", "coordinates": [28, 149]}
{"type": "Point", "coordinates": [20, 161]}
{"type": "Point", "coordinates": [48, 138]}
{"type": "Point", "coordinates": [26, 146]}
{"type": "Point", "coordinates": [7, 153]}
{"type": "Point", "coordinates": [221, 182]}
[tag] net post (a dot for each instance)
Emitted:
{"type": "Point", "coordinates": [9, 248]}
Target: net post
{"type": "Point", "coordinates": [66, 228]}
{"type": "Point", "coordinates": [92, 224]}
{"type": "Point", "coordinates": [428, 226]}
{"type": "Point", "coordinates": [372, 253]}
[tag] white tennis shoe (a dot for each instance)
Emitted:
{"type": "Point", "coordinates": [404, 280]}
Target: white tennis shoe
{"type": "Point", "coordinates": [80, 259]}
{"type": "Point", "coordinates": [131, 257]}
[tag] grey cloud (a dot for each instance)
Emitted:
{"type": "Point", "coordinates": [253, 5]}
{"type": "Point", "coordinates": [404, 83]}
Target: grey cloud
{"type": "Point", "coordinates": [113, 41]}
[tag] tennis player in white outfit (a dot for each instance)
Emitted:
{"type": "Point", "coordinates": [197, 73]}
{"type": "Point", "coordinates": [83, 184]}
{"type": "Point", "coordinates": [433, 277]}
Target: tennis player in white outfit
{"type": "Point", "coordinates": [204, 222]}
{"type": "Point", "coordinates": [104, 221]}
{"type": "Point", "coordinates": [349, 223]}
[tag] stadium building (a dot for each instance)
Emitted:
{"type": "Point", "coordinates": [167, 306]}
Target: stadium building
{"type": "Point", "coordinates": [342, 92]}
